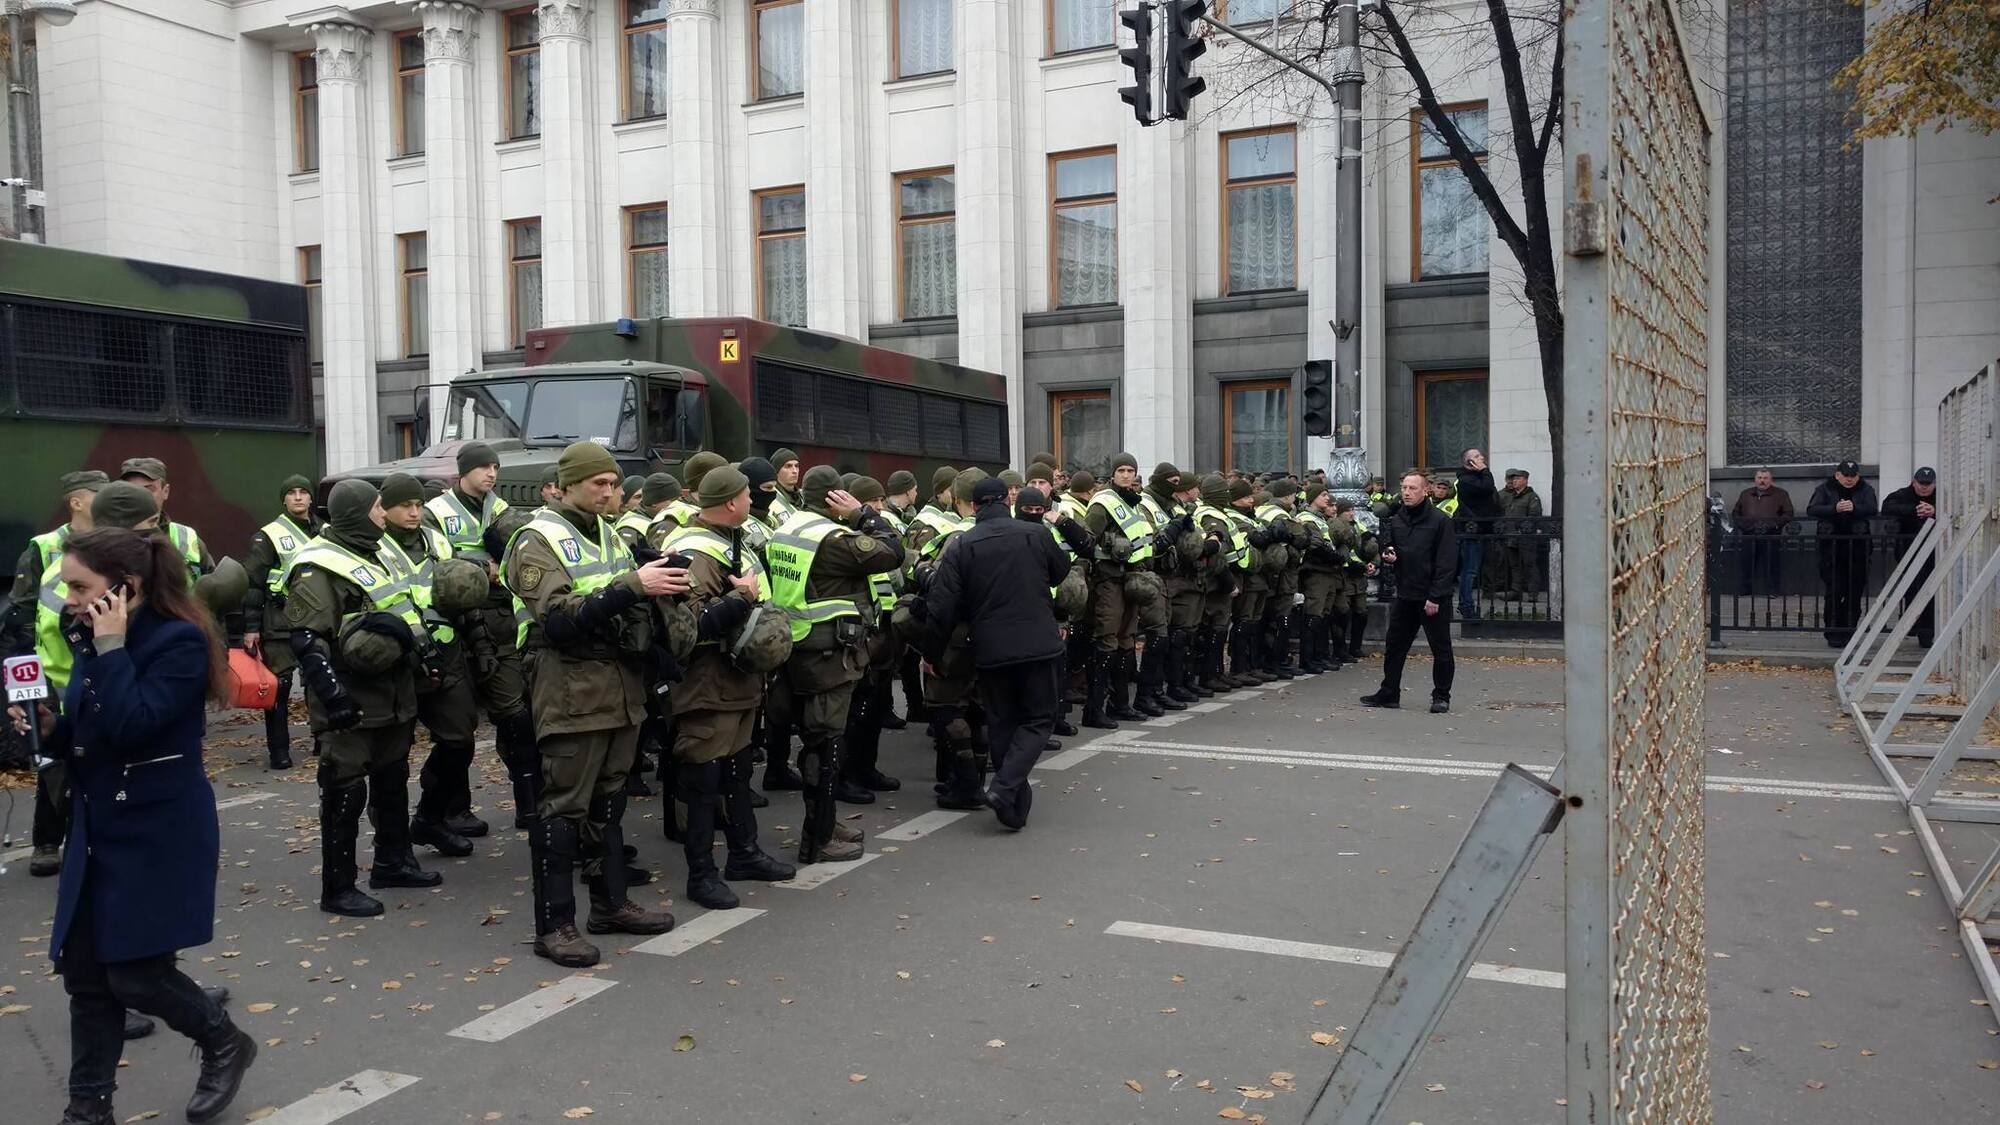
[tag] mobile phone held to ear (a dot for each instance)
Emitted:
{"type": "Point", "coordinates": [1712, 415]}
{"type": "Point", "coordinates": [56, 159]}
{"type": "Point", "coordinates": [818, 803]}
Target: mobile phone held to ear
{"type": "Point", "coordinates": [120, 588]}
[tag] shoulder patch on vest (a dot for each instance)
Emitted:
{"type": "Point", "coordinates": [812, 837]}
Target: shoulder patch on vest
{"type": "Point", "coordinates": [452, 524]}
{"type": "Point", "coordinates": [364, 576]}
{"type": "Point", "coordinates": [286, 542]}
{"type": "Point", "coordinates": [531, 576]}
{"type": "Point", "coordinates": [571, 551]}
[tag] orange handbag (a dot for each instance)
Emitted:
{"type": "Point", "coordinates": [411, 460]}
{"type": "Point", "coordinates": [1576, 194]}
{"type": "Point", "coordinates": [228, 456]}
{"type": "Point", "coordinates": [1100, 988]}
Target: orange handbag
{"type": "Point", "coordinates": [251, 685]}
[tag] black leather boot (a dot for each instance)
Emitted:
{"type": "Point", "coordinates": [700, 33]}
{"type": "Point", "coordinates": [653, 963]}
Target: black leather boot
{"type": "Point", "coordinates": [435, 791]}
{"type": "Point", "coordinates": [704, 885]}
{"type": "Point", "coordinates": [1182, 672]}
{"type": "Point", "coordinates": [339, 834]}
{"type": "Point", "coordinates": [747, 860]}
{"type": "Point", "coordinates": [1357, 630]}
{"type": "Point", "coordinates": [278, 726]}
{"type": "Point", "coordinates": [225, 1057]}
{"type": "Point", "coordinates": [389, 808]}
{"type": "Point", "coordinates": [1096, 689]}
{"type": "Point", "coordinates": [556, 936]}
{"type": "Point", "coordinates": [1213, 682]}
{"type": "Point", "coordinates": [1148, 667]}
{"type": "Point", "coordinates": [1332, 651]}
{"type": "Point", "coordinates": [965, 790]}
{"type": "Point", "coordinates": [1119, 707]}
{"type": "Point", "coordinates": [88, 1111]}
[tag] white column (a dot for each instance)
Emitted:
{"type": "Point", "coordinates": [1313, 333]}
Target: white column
{"type": "Point", "coordinates": [346, 228]}
{"type": "Point", "coordinates": [988, 183]}
{"type": "Point", "coordinates": [569, 165]}
{"type": "Point", "coordinates": [1155, 277]}
{"type": "Point", "coordinates": [451, 163]}
{"type": "Point", "coordinates": [836, 169]}
{"type": "Point", "coordinates": [697, 248]}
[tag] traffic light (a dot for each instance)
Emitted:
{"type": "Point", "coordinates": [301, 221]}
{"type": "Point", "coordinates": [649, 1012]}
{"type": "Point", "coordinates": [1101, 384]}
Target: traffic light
{"type": "Point", "coordinates": [1139, 56]}
{"type": "Point", "coordinates": [1183, 47]}
{"type": "Point", "coordinates": [1316, 397]}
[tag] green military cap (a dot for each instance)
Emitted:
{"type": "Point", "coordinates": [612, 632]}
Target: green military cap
{"type": "Point", "coordinates": [661, 488]}
{"type": "Point", "coordinates": [901, 481]}
{"type": "Point", "coordinates": [1121, 460]}
{"type": "Point", "coordinates": [632, 485]}
{"type": "Point", "coordinates": [296, 480]}
{"type": "Point", "coordinates": [942, 479]}
{"type": "Point", "coordinates": [400, 488]}
{"type": "Point", "coordinates": [1041, 459]}
{"type": "Point", "coordinates": [1012, 479]}
{"type": "Point", "coordinates": [582, 461]}
{"type": "Point", "coordinates": [1214, 490]}
{"type": "Point", "coordinates": [1260, 497]}
{"type": "Point", "coordinates": [847, 481]}
{"type": "Point", "coordinates": [1282, 488]}
{"type": "Point", "coordinates": [122, 504]}
{"type": "Point", "coordinates": [780, 456]}
{"type": "Point", "coordinates": [1343, 505]}
{"type": "Point", "coordinates": [475, 455]}
{"type": "Point", "coordinates": [1512, 473]}
{"type": "Point", "coordinates": [1239, 488]}
{"type": "Point", "coordinates": [961, 486]}
{"type": "Point", "coordinates": [83, 480]}
{"type": "Point", "coordinates": [818, 481]}
{"type": "Point", "coordinates": [1083, 480]}
{"type": "Point", "coordinates": [1040, 471]}
{"type": "Point", "coordinates": [700, 465]}
{"type": "Point", "coordinates": [1314, 491]}
{"type": "Point", "coordinates": [868, 490]}
{"type": "Point", "coordinates": [720, 485]}
{"type": "Point", "coordinates": [552, 475]}
{"type": "Point", "coordinates": [151, 468]}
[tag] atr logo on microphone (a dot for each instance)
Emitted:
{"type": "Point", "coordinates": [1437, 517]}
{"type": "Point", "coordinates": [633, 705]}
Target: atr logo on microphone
{"type": "Point", "coordinates": [24, 679]}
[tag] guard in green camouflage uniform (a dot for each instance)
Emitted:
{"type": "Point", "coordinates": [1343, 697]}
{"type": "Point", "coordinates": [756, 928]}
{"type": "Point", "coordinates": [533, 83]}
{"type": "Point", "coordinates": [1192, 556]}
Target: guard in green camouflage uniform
{"type": "Point", "coordinates": [951, 687]}
{"type": "Point", "coordinates": [1281, 566]}
{"type": "Point", "coordinates": [356, 632]}
{"type": "Point", "coordinates": [150, 473]}
{"type": "Point", "coordinates": [899, 507]}
{"type": "Point", "coordinates": [659, 491]}
{"type": "Point", "coordinates": [1197, 566]}
{"type": "Point", "coordinates": [922, 539]}
{"type": "Point", "coordinates": [1160, 668]}
{"type": "Point", "coordinates": [1246, 626]}
{"type": "Point", "coordinates": [740, 639]}
{"type": "Point", "coordinates": [1124, 539]}
{"type": "Point", "coordinates": [822, 559]}
{"type": "Point", "coordinates": [272, 550]}
{"type": "Point", "coordinates": [590, 636]}
{"type": "Point", "coordinates": [1321, 567]}
{"type": "Point", "coordinates": [446, 704]}
{"type": "Point", "coordinates": [677, 514]}
{"type": "Point", "coordinates": [1350, 599]}
{"type": "Point", "coordinates": [861, 772]}
{"type": "Point", "coordinates": [1217, 521]}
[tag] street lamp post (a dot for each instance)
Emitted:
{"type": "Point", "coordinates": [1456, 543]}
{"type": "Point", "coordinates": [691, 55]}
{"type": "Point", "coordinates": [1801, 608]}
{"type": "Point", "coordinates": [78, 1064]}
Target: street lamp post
{"type": "Point", "coordinates": [24, 192]}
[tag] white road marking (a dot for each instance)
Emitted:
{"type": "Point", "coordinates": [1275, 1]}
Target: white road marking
{"type": "Point", "coordinates": [1446, 767]}
{"type": "Point", "coordinates": [916, 828]}
{"type": "Point", "coordinates": [1241, 694]}
{"type": "Point", "coordinates": [335, 1102]}
{"type": "Point", "coordinates": [1166, 720]}
{"type": "Point", "coordinates": [1312, 951]}
{"type": "Point", "coordinates": [696, 932]}
{"type": "Point", "coordinates": [242, 799]}
{"type": "Point", "coordinates": [1066, 759]}
{"type": "Point", "coordinates": [531, 1009]}
{"type": "Point", "coordinates": [1208, 706]}
{"type": "Point", "coordinates": [819, 874]}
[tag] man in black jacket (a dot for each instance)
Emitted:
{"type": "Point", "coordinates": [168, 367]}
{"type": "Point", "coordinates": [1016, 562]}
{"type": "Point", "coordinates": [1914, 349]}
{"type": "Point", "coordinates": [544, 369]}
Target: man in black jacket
{"type": "Point", "coordinates": [1843, 505]}
{"type": "Point", "coordinates": [1417, 540]}
{"type": "Point", "coordinates": [996, 578]}
{"type": "Point", "coordinates": [1912, 507]}
{"type": "Point", "coordinates": [1478, 500]}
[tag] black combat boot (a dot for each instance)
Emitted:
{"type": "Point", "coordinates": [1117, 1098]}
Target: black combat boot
{"type": "Point", "coordinates": [1183, 674]}
{"type": "Point", "coordinates": [1281, 647]}
{"type": "Point", "coordinates": [84, 1110]}
{"type": "Point", "coordinates": [885, 705]}
{"type": "Point", "coordinates": [966, 790]}
{"type": "Point", "coordinates": [1357, 630]}
{"type": "Point", "coordinates": [913, 688]}
{"type": "Point", "coordinates": [1153, 684]}
{"type": "Point", "coordinates": [226, 1055]}
{"type": "Point", "coordinates": [612, 911]}
{"type": "Point", "coordinates": [778, 773]}
{"type": "Point", "coordinates": [389, 809]}
{"type": "Point", "coordinates": [1213, 681]}
{"type": "Point", "coordinates": [1239, 675]}
{"type": "Point", "coordinates": [704, 886]}
{"type": "Point", "coordinates": [739, 826]}
{"type": "Point", "coordinates": [1148, 667]}
{"type": "Point", "coordinates": [1096, 690]}
{"type": "Point", "coordinates": [864, 745]}
{"type": "Point", "coordinates": [1119, 707]}
{"type": "Point", "coordinates": [1332, 641]}
{"type": "Point", "coordinates": [278, 726]}
{"type": "Point", "coordinates": [434, 792]}
{"type": "Point", "coordinates": [339, 835]}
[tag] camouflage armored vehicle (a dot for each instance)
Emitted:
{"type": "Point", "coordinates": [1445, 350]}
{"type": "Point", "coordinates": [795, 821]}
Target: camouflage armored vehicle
{"type": "Point", "coordinates": [655, 392]}
{"type": "Point", "coordinates": [102, 359]}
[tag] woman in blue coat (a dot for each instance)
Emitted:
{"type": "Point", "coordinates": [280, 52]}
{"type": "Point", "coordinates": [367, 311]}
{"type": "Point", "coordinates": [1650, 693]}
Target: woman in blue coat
{"type": "Point", "coordinates": [142, 816]}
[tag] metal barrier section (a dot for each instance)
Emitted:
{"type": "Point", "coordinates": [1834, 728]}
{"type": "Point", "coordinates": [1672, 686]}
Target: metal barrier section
{"type": "Point", "coordinates": [1637, 229]}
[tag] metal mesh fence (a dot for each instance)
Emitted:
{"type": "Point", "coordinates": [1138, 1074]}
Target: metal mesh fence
{"type": "Point", "coordinates": [1636, 295]}
{"type": "Point", "coordinates": [1968, 466]}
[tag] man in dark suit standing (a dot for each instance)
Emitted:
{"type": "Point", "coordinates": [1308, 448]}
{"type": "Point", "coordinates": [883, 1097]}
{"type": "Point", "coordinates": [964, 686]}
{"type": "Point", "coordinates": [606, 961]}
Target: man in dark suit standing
{"type": "Point", "coordinates": [1417, 540]}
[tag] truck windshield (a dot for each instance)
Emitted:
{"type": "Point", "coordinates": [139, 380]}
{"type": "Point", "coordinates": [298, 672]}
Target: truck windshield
{"type": "Point", "coordinates": [485, 412]}
{"type": "Point", "coordinates": [605, 411]}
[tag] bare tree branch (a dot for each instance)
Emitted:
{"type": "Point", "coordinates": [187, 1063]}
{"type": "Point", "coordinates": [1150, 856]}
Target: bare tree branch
{"type": "Point", "coordinates": [1552, 114]}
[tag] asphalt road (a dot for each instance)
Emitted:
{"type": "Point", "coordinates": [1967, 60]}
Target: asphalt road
{"type": "Point", "coordinates": [1194, 899]}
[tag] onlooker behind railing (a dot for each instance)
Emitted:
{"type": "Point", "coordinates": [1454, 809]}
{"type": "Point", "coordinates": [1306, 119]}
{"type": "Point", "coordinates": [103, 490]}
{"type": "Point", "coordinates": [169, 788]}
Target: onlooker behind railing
{"type": "Point", "coordinates": [1516, 560]}
{"type": "Point", "coordinates": [1911, 507]}
{"type": "Point", "coordinates": [1760, 515]}
{"type": "Point", "coordinates": [1474, 495]}
{"type": "Point", "coordinates": [1843, 506]}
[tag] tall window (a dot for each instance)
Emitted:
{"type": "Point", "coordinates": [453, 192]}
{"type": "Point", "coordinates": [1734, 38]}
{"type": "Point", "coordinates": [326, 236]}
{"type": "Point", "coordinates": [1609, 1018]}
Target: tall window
{"type": "Point", "coordinates": [523, 96]}
{"type": "Point", "coordinates": [646, 259]}
{"type": "Point", "coordinates": [923, 37]}
{"type": "Point", "coordinates": [1451, 415]}
{"type": "Point", "coordinates": [645, 59]}
{"type": "Point", "coordinates": [413, 254]}
{"type": "Point", "coordinates": [524, 278]}
{"type": "Point", "coordinates": [777, 48]}
{"type": "Point", "coordinates": [1260, 210]}
{"type": "Point", "coordinates": [1450, 222]}
{"type": "Point", "coordinates": [305, 112]}
{"type": "Point", "coordinates": [1083, 228]}
{"type": "Point", "coordinates": [927, 244]}
{"type": "Point", "coordinates": [1257, 426]}
{"type": "Point", "coordinates": [781, 255]}
{"type": "Point", "coordinates": [309, 274]}
{"type": "Point", "coordinates": [1239, 12]}
{"type": "Point", "coordinates": [1079, 25]}
{"type": "Point", "coordinates": [409, 93]}
{"type": "Point", "coordinates": [1081, 426]}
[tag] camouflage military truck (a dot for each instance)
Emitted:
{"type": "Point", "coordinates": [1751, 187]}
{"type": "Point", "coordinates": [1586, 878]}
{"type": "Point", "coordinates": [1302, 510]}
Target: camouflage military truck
{"type": "Point", "coordinates": [102, 359]}
{"type": "Point", "coordinates": [655, 392]}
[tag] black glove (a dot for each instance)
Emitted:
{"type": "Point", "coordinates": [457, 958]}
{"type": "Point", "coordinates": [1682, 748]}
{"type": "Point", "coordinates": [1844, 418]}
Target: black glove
{"type": "Point", "coordinates": [342, 713]}
{"type": "Point", "coordinates": [596, 617]}
{"type": "Point", "coordinates": [316, 672]}
{"type": "Point", "coordinates": [1211, 547]}
{"type": "Point", "coordinates": [722, 617]}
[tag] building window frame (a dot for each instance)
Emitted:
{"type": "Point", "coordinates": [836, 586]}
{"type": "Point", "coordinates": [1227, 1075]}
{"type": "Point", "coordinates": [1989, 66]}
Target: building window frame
{"type": "Point", "coordinates": [312, 265]}
{"type": "Point", "coordinates": [1049, 49]}
{"type": "Point", "coordinates": [1286, 9]}
{"type": "Point", "coordinates": [1419, 382]}
{"type": "Point", "coordinates": [1231, 387]}
{"type": "Point", "coordinates": [1419, 164]}
{"type": "Point", "coordinates": [1058, 398]}
{"type": "Point", "coordinates": [923, 219]}
{"type": "Point", "coordinates": [1228, 187]}
{"type": "Point", "coordinates": [635, 251]}
{"type": "Point", "coordinates": [408, 277]}
{"type": "Point", "coordinates": [765, 237]}
{"type": "Point", "coordinates": [630, 34]}
{"type": "Point", "coordinates": [758, 10]}
{"type": "Point", "coordinates": [896, 73]}
{"type": "Point", "coordinates": [305, 107]}
{"type": "Point", "coordinates": [509, 53]}
{"type": "Point", "coordinates": [402, 73]}
{"type": "Point", "coordinates": [1057, 204]}
{"type": "Point", "coordinates": [517, 262]}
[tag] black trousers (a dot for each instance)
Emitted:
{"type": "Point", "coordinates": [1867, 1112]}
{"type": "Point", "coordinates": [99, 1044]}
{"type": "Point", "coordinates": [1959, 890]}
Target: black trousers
{"type": "Point", "coordinates": [51, 805]}
{"type": "Point", "coordinates": [1926, 619]}
{"type": "Point", "coordinates": [1021, 702]}
{"type": "Point", "coordinates": [1405, 619]}
{"type": "Point", "coordinates": [1846, 577]}
{"type": "Point", "coordinates": [99, 993]}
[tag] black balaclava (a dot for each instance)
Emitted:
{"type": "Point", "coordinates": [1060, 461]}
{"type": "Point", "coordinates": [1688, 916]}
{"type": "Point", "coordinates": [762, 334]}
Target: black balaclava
{"type": "Point", "coordinates": [347, 508]}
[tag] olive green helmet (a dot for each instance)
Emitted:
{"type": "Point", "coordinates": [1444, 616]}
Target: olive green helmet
{"type": "Point", "coordinates": [223, 588]}
{"type": "Point", "coordinates": [764, 642]}
{"type": "Point", "coordinates": [373, 643]}
{"type": "Point", "coordinates": [680, 624]}
{"type": "Point", "coordinates": [1073, 594]}
{"type": "Point", "coordinates": [459, 586]}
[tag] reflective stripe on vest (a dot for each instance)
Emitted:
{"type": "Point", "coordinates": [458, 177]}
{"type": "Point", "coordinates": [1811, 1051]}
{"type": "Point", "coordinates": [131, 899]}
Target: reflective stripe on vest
{"type": "Point", "coordinates": [944, 523]}
{"type": "Point", "coordinates": [420, 571]}
{"type": "Point", "coordinates": [48, 547]}
{"type": "Point", "coordinates": [590, 567]}
{"type": "Point", "coordinates": [638, 523]}
{"type": "Point", "coordinates": [781, 508]}
{"type": "Point", "coordinates": [1132, 523]}
{"type": "Point", "coordinates": [461, 528]}
{"type": "Point", "coordinates": [288, 539]}
{"type": "Point", "coordinates": [791, 553]}
{"type": "Point", "coordinates": [390, 588]}
{"type": "Point", "coordinates": [1449, 507]}
{"type": "Point", "coordinates": [188, 543]}
{"type": "Point", "coordinates": [703, 541]}
{"type": "Point", "coordinates": [50, 644]}
{"type": "Point", "coordinates": [1072, 507]}
{"type": "Point", "coordinates": [1238, 554]}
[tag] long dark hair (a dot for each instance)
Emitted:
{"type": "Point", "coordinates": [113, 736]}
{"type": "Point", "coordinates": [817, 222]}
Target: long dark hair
{"type": "Point", "coordinates": [118, 554]}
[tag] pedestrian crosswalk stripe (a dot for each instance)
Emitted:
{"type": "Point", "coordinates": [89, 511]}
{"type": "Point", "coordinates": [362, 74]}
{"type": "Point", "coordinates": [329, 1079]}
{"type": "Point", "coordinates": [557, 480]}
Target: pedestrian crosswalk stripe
{"type": "Point", "coordinates": [916, 828]}
{"type": "Point", "coordinates": [1312, 951]}
{"type": "Point", "coordinates": [332, 1103]}
{"type": "Point", "coordinates": [696, 931]}
{"type": "Point", "coordinates": [819, 874]}
{"type": "Point", "coordinates": [531, 1009]}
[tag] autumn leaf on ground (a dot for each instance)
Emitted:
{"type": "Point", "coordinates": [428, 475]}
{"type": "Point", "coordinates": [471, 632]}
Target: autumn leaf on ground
{"type": "Point", "coordinates": [1324, 1039]}
{"type": "Point", "coordinates": [1434, 1087]}
{"type": "Point", "coordinates": [259, 1008]}
{"type": "Point", "coordinates": [684, 1043]}
{"type": "Point", "coordinates": [857, 1078]}
{"type": "Point", "coordinates": [996, 1042]}
{"type": "Point", "coordinates": [1989, 1064]}
{"type": "Point", "coordinates": [578, 1113]}
{"type": "Point", "coordinates": [1132, 1084]}
{"type": "Point", "coordinates": [1231, 1112]}
{"type": "Point", "coordinates": [14, 1009]}
{"type": "Point", "coordinates": [146, 1116]}
{"type": "Point", "coordinates": [1801, 993]}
